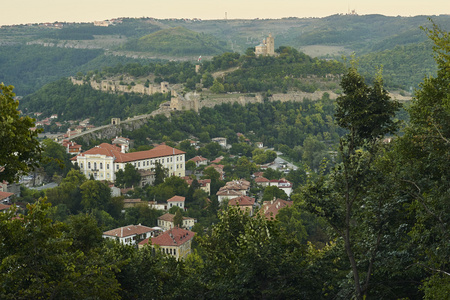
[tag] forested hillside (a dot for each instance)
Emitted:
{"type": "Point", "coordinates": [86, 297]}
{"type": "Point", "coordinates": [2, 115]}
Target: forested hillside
{"type": "Point", "coordinates": [371, 37]}
{"type": "Point", "coordinates": [73, 102]}
{"type": "Point", "coordinates": [177, 41]}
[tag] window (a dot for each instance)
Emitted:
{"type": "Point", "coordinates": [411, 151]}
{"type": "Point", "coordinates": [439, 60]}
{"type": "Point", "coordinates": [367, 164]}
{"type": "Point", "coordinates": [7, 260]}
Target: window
{"type": "Point", "coordinates": [171, 159]}
{"type": "Point", "coordinates": [107, 166]}
{"type": "Point", "coordinates": [89, 165]}
{"type": "Point", "coordinates": [95, 166]}
{"type": "Point", "coordinates": [147, 162]}
{"type": "Point", "coordinates": [163, 160]}
{"type": "Point", "coordinates": [81, 165]}
{"type": "Point", "coordinates": [101, 166]}
{"type": "Point", "coordinates": [117, 167]}
{"type": "Point", "coordinates": [139, 164]}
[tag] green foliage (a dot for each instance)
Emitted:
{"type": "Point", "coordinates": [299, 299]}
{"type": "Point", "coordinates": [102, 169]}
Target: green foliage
{"type": "Point", "coordinates": [239, 260]}
{"type": "Point", "coordinates": [38, 261]}
{"type": "Point", "coordinates": [273, 192]}
{"type": "Point", "coordinates": [176, 41]}
{"type": "Point", "coordinates": [55, 160]}
{"type": "Point", "coordinates": [83, 101]}
{"type": "Point", "coordinates": [20, 150]}
{"type": "Point", "coordinates": [128, 177]}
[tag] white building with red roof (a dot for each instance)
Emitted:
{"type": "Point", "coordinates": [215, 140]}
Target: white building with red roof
{"type": "Point", "coordinates": [166, 222]}
{"type": "Point", "coordinates": [176, 242]}
{"type": "Point", "coordinates": [262, 181]}
{"type": "Point", "coordinates": [283, 185]}
{"type": "Point", "coordinates": [199, 160]}
{"type": "Point", "coordinates": [104, 160]}
{"type": "Point", "coordinates": [129, 235]}
{"type": "Point", "coordinates": [176, 201]}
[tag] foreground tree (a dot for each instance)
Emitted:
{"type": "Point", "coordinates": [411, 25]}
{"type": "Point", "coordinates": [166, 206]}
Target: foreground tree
{"type": "Point", "coordinates": [424, 164]}
{"type": "Point", "coordinates": [19, 148]}
{"type": "Point", "coordinates": [38, 261]}
{"type": "Point", "coordinates": [353, 187]}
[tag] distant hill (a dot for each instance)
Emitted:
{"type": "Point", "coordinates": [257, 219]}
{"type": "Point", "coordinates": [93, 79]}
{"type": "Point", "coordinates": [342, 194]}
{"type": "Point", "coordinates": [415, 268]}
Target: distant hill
{"type": "Point", "coordinates": [177, 41]}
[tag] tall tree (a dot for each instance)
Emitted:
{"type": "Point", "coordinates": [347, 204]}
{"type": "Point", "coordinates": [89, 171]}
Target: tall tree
{"type": "Point", "coordinates": [341, 198]}
{"type": "Point", "coordinates": [19, 148]}
{"type": "Point", "coordinates": [424, 153]}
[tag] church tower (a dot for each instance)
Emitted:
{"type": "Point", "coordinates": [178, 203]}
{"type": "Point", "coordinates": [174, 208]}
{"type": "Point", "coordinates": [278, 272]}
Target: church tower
{"type": "Point", "coordinates": [270, 44]}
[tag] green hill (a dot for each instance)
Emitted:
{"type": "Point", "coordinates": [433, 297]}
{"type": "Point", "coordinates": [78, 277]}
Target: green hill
{"type": "Point", "coordinates": [177, 41]}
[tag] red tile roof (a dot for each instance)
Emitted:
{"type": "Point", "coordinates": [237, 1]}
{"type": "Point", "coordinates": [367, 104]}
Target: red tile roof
{"type": "Point", "coordinates": [261, 179]}
{"type": "Point", "coordinates": [4, 206]}
{"type": "Point", "coordinates": [173, 237]}
{"type": "Point", "coordinates": [169, 217]}
{"type": "Point", "coordinates": [4, 195]}
{"type": "Point", "coordinates": [176, 199]}
{"type": "Point", "coordinates": [114, 151]}
{"type": "Point", "coordinates": [128, 231]}
{"type": "Point", "coordinates": [198, 158]}
{"type": "Point", "coordinates": [270, 208]}
{"type": "Point", "coordinates": [242, 201]}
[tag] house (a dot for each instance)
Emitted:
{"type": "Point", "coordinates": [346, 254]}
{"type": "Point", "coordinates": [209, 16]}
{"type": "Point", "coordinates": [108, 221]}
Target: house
{"type": "Point", "coordinates": [157, 206]}
{"type": "Point", "coordinates": [219, 169]}
{"type": "Point", "coordinates": [199, 160]}
{"type": "Point", "coordinates": [242, 186]}
{"type": "Point", "coordinates": [204, 184]}
{"type": "Point", "coordinates": [129, 235]}
{"type": "Point", "coordinates": [224, 195]}
{"type": "Point", "coordinates": [147, 177]}
{"type": "Point", "coordinates": [217, 160]}
{"type": "Point", "coordinates": [71, 147]}
{"type": "Point", "coordinates": [122, 142]}
{"type": "Point", "coordinates": [104, 160]}
{"type": "Point", "coordinates": [244, 203]}
{"type": "Point", "coordinates": [176, 201]}
{"type": "Point", "coordinates": [262, 181]}
{"type": "Point", "coordinates": [259, 145]}
{"type": "Point", "coordinates": [166, 222]}
{"type": "Point", "coordinates": [127, 203]}
{"type": "Point", "coordinates": [271, 208]}
{"type": "Point", "coordinates": [283, 185]}
{"type": "Point", "coordinates": [221, 141]}
{"type": "Point", "coordinates": [6, 197]}
{"type": "Point", "coordinates": [176, 242]}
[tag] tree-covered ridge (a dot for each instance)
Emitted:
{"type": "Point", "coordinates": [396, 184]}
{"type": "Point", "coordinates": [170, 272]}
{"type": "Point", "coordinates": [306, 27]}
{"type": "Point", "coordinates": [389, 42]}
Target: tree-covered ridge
{"type": "Point", "coordinates": [404, 66]}
{"type": "Point", "coordinates": [74, 102]}
{"type": "Point", "coordinates": [29, 67]}
{"type": "Point", "coordinates": [291, 70]}
{"type": "Point", "coordinates": [177, 41]}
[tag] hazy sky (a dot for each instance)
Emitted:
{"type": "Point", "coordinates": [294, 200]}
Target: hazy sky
{"type": "Point", "coordinates": [36, 11]}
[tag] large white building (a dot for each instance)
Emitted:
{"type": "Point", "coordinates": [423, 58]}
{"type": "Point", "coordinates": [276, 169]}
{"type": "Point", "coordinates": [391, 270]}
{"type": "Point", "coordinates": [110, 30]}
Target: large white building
{"type": "Point", "coordinates": [104, 160]}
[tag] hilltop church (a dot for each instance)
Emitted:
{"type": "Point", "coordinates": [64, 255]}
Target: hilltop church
{"type": "Point", "coordinates": [267, 48]}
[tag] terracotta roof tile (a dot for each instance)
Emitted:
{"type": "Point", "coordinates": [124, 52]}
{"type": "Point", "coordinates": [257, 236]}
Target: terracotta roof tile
{"type": "Point", "coordinates": [176, 199]}
{"type": "Point", "coordinates": [173, 237]}
{"type": "Point", "coordinates": [128, 231]}
{"type": "Point", "coordinates": [242, 201]}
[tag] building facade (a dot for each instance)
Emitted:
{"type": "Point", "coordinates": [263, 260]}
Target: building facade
{"type": "Point", "coordinates": [104, 160]}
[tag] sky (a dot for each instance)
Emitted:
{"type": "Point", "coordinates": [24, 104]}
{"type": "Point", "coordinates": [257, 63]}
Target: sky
{"type": "Point", "coordinates": [40, 11]}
